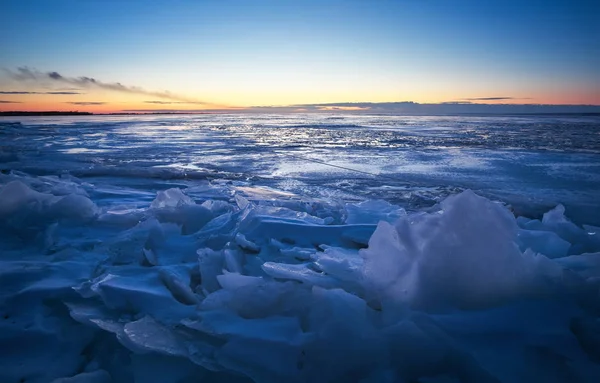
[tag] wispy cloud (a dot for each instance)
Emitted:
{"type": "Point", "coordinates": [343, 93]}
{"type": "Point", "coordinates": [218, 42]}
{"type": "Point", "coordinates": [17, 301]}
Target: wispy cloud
{"type": "Point", "coordinates": [25, 92]}
{"type": "Point", "coordinates": [86, 103]}
{"type": "Point", "coordinates": [28, 74]}
{"type": "Point", "coordinates": [22, 73]}
{"type": "Point", "coordinates": [493, 98]}
{"type": "Point", "coordinates": [168, 102]}
{"type": "Point", "coordinates": [179, 111]}
{"type": "Point", "coordinates": [9, 102]}
{"type": "Point", "coordinates": [62, 92]}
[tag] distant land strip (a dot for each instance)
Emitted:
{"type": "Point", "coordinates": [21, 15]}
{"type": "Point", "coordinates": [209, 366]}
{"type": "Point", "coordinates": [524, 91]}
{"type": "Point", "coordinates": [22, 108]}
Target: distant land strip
{"type": "Point", "coordinates": [573, 112]}
{"type": "Point", "coordinates": [46, 113]}
{"type": "Point", "coordinates": [61, 113]}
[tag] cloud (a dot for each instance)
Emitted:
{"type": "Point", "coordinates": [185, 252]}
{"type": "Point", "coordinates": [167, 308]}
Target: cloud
{"type": "Point", "coordinates": [55, 76]}
{"type": "Point", "coordinates": [168, 102]}
{"type": "Point", "coordinates": [27, 74]}
{"type": "Point", "coordinates": [86, 103]}
{"type": "Point", "coordinates": [343, 108]}
{"type": "Point", "coordinates": [16, 92]}
{"type": "Point", "coordinates": [25, 92]}
{"type": "Point", "coordinates": [181, 111]}
{"type": "Point", "coordinates": [9, 102]}
{"type": "Point", "coordinates": [61, 92]}
{"type": "Point", "coordinates": [493, 98]}
{"type": "Point", "coordinates": [22, 73]}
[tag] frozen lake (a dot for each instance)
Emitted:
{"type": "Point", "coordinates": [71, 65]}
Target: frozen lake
{"type": "Point", "coordinates": [299, 248]}
{"type": "Point", "coordinates": [532, 162]}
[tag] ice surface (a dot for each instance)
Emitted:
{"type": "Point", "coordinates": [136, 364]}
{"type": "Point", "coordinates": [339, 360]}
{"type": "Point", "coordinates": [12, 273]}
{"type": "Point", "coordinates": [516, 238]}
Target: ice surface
{"type": "Point", "coordinates": [286, 297]}
{"type": "Point", "coordinates": [217, 269]}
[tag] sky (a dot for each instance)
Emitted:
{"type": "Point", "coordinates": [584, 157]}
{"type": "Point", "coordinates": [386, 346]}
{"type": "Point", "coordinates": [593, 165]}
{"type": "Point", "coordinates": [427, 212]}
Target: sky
{"type": "Point", "coordinates": [110, 56]}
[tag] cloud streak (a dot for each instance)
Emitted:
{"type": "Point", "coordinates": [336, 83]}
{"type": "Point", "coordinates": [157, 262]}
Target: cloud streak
{"type": "Point", "coordinates": [25, 92]}
{"type": "Point", "coordinates": [86, 103]}
{"type": "Point", "coordinates": [493, 98]}
{"type": "Point", "coordinates": [168, 102]}
{"type": "Point", "coordinates": [28, 74]}
{"type": "Point", "coordinates": [9, 102]}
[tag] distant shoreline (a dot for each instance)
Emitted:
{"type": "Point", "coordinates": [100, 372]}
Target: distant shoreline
{"type": "Point", "coordinates": [474, 114]}
{"type": "Point", "coordinates": [59, 113]}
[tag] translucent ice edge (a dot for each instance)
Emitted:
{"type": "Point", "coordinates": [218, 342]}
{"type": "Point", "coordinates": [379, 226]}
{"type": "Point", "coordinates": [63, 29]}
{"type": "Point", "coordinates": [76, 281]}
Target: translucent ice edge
{"type": "Point", "coordinates": [262, 286]}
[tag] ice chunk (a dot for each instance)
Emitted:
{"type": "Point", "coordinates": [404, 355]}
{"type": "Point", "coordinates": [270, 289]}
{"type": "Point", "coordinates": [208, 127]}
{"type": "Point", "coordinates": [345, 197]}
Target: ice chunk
{"type": "Point", "coordinates": [74, 207]}
{"type": "Point", "coordinates": [26, 206]}
{"type": "Point", "coordinates": [217, 207]}
{"type": "Point", "coordinates": [373, 211]}
{"type": "Point", "coordinates": [241, 240]}
{"type": "Point", "coordinates": [464, 255]}
{"type": "Point", "coordinates": [294, 232]}
{"type": "Point", "coordinates": [344, 265]}
{"type": "Point", "coordinates": [191, 217]}
{"type": "Point", "coordinates": [147, 334]}
{"type": "Point", "coordinates": [123, 217]}
{"type": "Point", "coordinates": [211, 264]}
{"type": "Point", "coordinates": [301, 273]}
{"type": "Point", "coordinates": [233, 260]}
{"type": "Point", "coordinates": [150, 256]}
{"type": "Point", "coordinates": [127, 246]}
{"type": "Point", "coordinates": [299, 253]}
{"type": "Point", "coordinates": [179, 287]}
{"type": "Point", "coordinates": [545, 242]}
{"type": "Point", "coordinates": [261, 298]}
{"type": "Point", "coordinates": [587, 265]}
{"type": "Point", "coordinates": [234, 281]}
{"type": "Point", "coordinates": [173, 197]}
{"type": "Point", "coordinates": [556, 221]}
{"type": "Point", "coordinates": [241, 202]}
{"type": "Point", "coordinates": [139, 292]}
{"type": "Point", "coordinates": [15, 196]}
{"type": "Point", "coordinates": [282, 212]}
{"type": "Point", "coordinates": [87, 313]}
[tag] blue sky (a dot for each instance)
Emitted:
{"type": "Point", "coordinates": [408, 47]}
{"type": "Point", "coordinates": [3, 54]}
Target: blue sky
{"type": "Point", "coordinates": [243, 53]}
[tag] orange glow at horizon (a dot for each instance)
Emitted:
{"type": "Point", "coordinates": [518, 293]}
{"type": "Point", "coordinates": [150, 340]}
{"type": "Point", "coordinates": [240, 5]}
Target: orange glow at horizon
{"type": "Point", "coordinates": [102, 101]}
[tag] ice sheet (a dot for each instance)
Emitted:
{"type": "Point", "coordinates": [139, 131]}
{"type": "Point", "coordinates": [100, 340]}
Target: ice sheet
{"type": "Point", "coordinates": [178, 265]}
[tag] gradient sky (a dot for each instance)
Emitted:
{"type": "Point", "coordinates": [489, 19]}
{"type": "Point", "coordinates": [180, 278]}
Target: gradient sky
{"type": "Point", "coordinates": [215, 54]}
